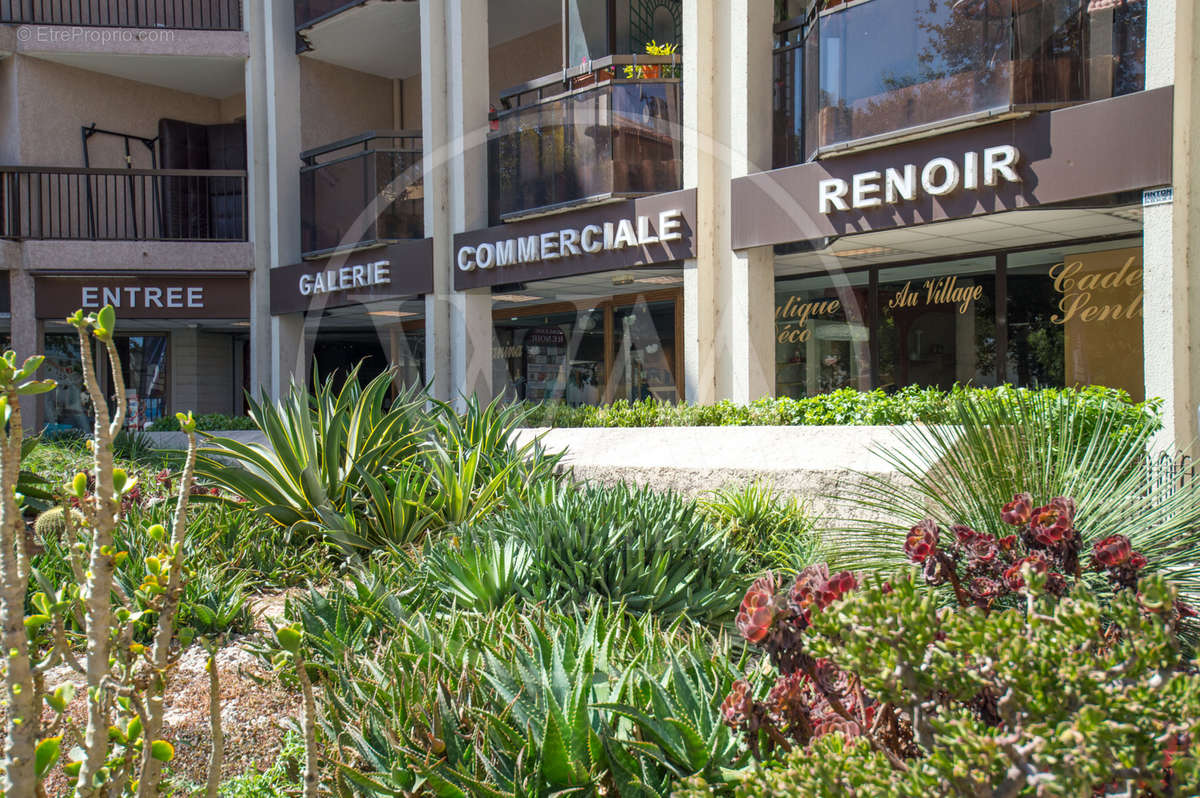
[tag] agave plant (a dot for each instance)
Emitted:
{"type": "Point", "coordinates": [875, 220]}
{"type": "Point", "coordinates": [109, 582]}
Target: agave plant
{"type": "Point", "coordinates": [478, 575]}
{"type": "Point", "coordinates": [318, 446]}
{"type": "Point", "coordinates": [775, 530]}
{"type": "Point", "coordinates": [647, 551]}
{"type": "Point", "coordinates": [1016, 442]}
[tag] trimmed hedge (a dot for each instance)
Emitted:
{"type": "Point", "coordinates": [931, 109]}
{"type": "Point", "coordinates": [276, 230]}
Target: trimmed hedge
{"type": "Point", "coordinates": [843, 407]}
{"type": "Point", "coordinates": [209, 422]}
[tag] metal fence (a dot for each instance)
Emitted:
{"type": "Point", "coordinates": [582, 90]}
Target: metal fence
{"type": "Point", "coordinates": [122, 204]}
{"type": "Point", "coordinates": [170, 14]}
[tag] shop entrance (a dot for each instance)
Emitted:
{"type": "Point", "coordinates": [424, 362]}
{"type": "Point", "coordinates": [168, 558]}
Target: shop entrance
{"type": "Point", "coordinates": [589, 350]}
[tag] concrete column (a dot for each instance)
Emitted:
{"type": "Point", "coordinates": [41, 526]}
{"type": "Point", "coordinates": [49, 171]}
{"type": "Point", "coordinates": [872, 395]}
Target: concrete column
{"type": "Point", "coordinates": [28, 337]}
{"type": "Point", "coordinates": [1167, 330]}
{"type": "Point", "coordinates": [454, 104]}
{"type": "Point", "coordinates": [273, 133]}
{"type": "Point", "coordinates": [1185, 221]}
{"type": "Point", "coordinates": [729, 303]}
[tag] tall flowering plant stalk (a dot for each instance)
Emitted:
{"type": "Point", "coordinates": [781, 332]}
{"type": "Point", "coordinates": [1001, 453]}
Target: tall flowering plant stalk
{"type": "Point", "coordinates": [119, 751]}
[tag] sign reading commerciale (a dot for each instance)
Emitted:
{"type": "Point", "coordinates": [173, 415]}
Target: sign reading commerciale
{"type": "Point", "coordinates": [398, 271]}
{"type": "Point", "coordinates": [145, 296]}
{"type": "Point", "coordinates": [1086, 152]}
{"type": "Point", "coordinates": [654, 229]}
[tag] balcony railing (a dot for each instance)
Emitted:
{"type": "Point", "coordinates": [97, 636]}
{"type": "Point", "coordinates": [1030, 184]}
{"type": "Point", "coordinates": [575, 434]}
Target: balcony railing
{"type": "Point", "coordinates": [173, 14]}
{"type": "Point", "coordinates": [362, 191]}
{"type": "Point", "coordinates": [608, 129]}
{"type": "Point", "coordinates": [877, 68]}
{"type": "Point", "coordinates": [122, 204]}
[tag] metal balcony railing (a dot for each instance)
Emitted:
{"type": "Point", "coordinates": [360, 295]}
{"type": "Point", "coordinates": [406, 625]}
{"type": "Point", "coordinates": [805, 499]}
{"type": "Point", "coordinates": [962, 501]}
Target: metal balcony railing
{"type": "Point", "coordinates": [610, 128]}
{"type": "Point", "coordinates": [46, 202]}
{"type": "Point", "coordinates": [362, 191]}
{"type": "Point", "coordinates": [874, 69]}
{"type": "Point", "coordinates": [170, 14]}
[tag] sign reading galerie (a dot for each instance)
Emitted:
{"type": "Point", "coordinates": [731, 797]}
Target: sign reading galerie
{"type": "Point", "coordinates": [636, 232]}
{"type": "Point", "coordinates": [401, 270]}
{"type": "Point", "coordinates": [145, 296]}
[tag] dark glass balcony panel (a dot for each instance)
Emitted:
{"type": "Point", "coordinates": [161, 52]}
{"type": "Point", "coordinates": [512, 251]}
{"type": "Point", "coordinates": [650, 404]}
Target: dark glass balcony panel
{"type": "Point", "coordinates": [609, 132]}
{"type": "Point", "coordinates": [361, 192]}
{"type": "Point", "coordinates": [309, 12]}
{"type": "Point", "coordinates": [880, 67]}
{"type": "Point", "coordinates": [170, 14]}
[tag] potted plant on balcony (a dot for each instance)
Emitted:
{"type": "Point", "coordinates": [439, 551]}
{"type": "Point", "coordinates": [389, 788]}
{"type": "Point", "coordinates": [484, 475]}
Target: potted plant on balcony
{"type": "Point", "coordinates": [652, 71]}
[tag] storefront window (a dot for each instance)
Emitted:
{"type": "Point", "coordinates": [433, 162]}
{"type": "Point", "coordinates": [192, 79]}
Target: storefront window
{"type": "Point", "coordinates": [1075, 318]}
{"type": "Point", "coordinates": [822, 336]}
{"type": "Point", "coordinates": [1072, 317]}
{"type": "Point", "coordinates": [144, 370]}
{"type": "Point", "coordinates": [644, 352]}
{"type": "Point", "coordinates": [593, 353]}
{"type": "Point", "coordinates": [67, 407]}
{"type": "Point", "coordinates": [937, 325]}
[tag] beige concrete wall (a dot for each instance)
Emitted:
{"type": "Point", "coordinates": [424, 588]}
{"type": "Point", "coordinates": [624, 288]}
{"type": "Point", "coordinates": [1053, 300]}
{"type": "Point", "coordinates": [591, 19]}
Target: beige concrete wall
{"type": "Point", "coordinates": [410, 100]}
{"type": "Point", "coordinates": [202, 373]}
{"type": "Point", "coordinates": [233, 108]}
{"type": "Point", "coordinates": [10, 147]}
{"type": "Point", "coordinates": [525, 58]}
{"type": "Point", "coordinates": [336, 103]}
{"type": "Point", "coordinates": [56, 101]}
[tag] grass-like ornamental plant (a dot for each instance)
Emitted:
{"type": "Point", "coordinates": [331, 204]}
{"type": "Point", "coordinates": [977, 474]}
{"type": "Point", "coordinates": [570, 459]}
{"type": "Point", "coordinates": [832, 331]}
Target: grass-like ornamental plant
{"type": "Point", "coordinates": [1028, 684]}
{"type": "Point", "coordinates": [1044, 445]}
{"type": "Point", "coordinates": [570, 545]}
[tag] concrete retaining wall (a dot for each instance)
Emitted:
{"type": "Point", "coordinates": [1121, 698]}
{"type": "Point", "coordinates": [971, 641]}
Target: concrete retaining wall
{"type": "Point", "coordinates": [811, 463]}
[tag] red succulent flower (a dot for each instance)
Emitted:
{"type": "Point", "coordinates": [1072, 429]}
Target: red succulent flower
{"type": "Point", "coordinates": [787, 703]}
{"type": "Point", "coordinates": [985, 588]}
{"type": "Point", "coordinates": [1054, 522]}
{"type": "Point", "coordinates": [1018, 511]}
{"type": "Point", "coordinates": [738, 706]}
{"type": "Point", "coordinates": [1112, 551]}
{"type": "Point", "coordinates": [922, 541]}
{"type": "Point", "coordinates": [1008, 543]}
{"type": "Point", "coordinates": [978, 546]}
{"type": "Point", "coordinates": [1013, 578]}
{"type": "Point", "coordinates": [758, 609]}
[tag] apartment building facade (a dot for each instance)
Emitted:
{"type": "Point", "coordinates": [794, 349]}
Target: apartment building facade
{"type": "Point", "coordinates": [588, 200]}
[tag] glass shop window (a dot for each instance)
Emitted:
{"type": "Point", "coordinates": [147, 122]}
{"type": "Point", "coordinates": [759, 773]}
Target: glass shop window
{"type": "Point", "coordinates": [822, 334]}
{"type": "Point", "coordinates": [1075, 318]}
{"type": "Point", "coordinates": [937, 325]}
{"type": "Point", "coordinates": [67, 408]}
{"type": "Point", "coordinates": [643, 356]}
{"type": "Point", "coordinates": [144, 370]}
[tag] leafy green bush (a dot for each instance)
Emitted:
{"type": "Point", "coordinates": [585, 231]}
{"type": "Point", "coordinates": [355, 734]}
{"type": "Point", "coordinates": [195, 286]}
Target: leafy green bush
{"type": "Point", "coordinates": [651, 552]}
{"type": "Point", "coordinates": [1058, 696]}
{"type": "Point", "coordinates": [845, 406]}
{"type": "Point", "coordinates": [208, 422]}
{"type": "Point", "coordinates": [775, 531]}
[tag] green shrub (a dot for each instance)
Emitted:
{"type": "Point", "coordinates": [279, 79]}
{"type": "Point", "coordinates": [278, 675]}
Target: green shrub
{"type": "Point", "coordinates": [651, 552]}
{"type": "Point", "coordinates": [845, 406]}
{"type": "Point", "coordinates": [208, 422]}
{"type": "Point", "coordinates": [775, 531]}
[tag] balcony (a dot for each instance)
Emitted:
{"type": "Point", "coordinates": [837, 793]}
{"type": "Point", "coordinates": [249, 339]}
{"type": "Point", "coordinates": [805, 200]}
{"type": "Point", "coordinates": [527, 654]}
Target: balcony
{"type": "Point", "coordinates": [171, 14]}
{"type": "Point", "coordinates": [361, 192]}
{"type": "Point", "coordinates": [67, 203]}
{"type": "Point", "coordinates": [880, 69]}
{"type": "Point", "coordinates": [606, 130]}
{"type": "Point", "coordinates": [310, 12]}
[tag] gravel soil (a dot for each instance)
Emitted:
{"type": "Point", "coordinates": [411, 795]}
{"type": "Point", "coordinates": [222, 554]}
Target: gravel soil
{"type": "Point", "coordinates": [256, 710]}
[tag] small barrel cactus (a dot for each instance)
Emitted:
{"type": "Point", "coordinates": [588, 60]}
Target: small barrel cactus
{"type": "Point", "coordinates": [53, 523]}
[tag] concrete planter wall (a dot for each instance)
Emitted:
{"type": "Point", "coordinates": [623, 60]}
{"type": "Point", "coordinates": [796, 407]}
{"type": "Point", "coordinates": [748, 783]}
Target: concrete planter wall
{"type": "Point", "coordinates": [811, 463]}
